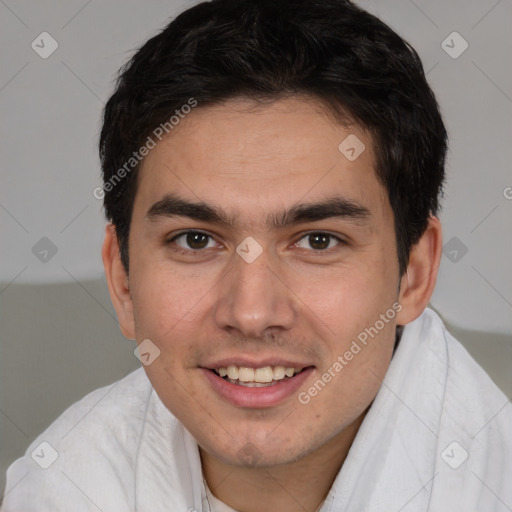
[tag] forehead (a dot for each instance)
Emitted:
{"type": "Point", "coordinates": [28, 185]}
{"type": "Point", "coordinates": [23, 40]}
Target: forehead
{"type": "Point", "coordinates": [251, 158]}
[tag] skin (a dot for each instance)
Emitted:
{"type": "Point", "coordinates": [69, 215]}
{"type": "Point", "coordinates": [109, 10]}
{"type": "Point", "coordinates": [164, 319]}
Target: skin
{"type": "Point", "coordinates": [297, 300]}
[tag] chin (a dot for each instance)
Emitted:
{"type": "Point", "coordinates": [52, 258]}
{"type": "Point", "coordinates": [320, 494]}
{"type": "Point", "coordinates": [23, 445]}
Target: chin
{"type": "Point", "coordinates": [253, 453]}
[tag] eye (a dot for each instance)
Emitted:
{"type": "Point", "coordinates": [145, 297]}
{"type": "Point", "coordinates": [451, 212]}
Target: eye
{"type": "Point", "coordinates": [319, 241]}
{"type": "Point", "coordinates": [194, 240]}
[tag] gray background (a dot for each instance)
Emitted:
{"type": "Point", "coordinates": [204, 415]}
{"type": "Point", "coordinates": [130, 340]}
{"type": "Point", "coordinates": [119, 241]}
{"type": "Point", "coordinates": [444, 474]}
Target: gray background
{"type": "Point", "coordinates": [59, 335]}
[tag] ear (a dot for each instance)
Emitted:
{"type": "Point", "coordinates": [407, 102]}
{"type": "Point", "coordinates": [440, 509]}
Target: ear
{"type": "Point", "coordinates": [417, 284]}
{"type": "Point", "coordinates": [117, 281]}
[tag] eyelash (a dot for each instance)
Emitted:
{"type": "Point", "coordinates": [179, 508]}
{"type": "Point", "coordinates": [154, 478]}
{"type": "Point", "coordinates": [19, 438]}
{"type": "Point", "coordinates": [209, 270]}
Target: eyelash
{"type": "Point", "coordinates": [340, 241]}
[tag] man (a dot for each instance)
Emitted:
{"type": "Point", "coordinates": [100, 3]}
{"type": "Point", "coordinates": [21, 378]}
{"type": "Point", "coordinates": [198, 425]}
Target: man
{"type": "Point", "coordinates": [271, 177]}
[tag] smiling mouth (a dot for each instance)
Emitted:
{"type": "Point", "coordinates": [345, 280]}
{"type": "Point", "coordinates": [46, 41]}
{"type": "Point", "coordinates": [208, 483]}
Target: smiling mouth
{"type": "Point", "coordinates": [256, 377]}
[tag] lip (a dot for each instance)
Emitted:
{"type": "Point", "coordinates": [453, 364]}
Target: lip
{"type": "Point", "coordinates": [256, 398]}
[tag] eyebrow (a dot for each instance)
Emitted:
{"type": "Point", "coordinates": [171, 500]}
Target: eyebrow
{"type": "Point", "coordinates": [172, 205]}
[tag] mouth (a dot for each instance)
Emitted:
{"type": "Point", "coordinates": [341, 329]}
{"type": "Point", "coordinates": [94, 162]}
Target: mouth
{"type": "Point", "coordinates": [256, 387]}
{"type": "Point", "coordinates": [256, 377]}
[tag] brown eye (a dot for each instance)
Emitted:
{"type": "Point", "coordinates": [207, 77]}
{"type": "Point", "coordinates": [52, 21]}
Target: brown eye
{"type": "Point", "coordinates": [197, 240]}
{"type": "Point", "coordinates": [319, 241]}
{"type": "Point", "coordinates": [194, 240]}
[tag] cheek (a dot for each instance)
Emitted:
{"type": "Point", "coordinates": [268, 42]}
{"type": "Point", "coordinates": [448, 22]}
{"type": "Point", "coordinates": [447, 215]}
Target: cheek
{"type": "Point", "coordinates": [353, 372]}
{"type": "Point", "coordinates": [166, 298]}
{"type": "Point", "coordinates": [347, 298]}
{"type": "Point", "coordinates": [356, 309]}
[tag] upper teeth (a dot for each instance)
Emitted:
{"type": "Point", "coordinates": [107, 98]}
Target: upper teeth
{"type": "Point", "coordinates": [265, 374]}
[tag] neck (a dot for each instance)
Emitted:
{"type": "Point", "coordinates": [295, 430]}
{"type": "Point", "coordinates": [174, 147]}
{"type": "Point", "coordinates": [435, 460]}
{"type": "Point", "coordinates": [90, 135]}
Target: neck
{"type": "Point", "coordinates": [298, 486]}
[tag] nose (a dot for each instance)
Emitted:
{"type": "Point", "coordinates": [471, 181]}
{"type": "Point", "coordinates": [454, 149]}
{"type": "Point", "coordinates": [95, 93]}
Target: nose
{"type": "Point", "coordinates": [255, 298]}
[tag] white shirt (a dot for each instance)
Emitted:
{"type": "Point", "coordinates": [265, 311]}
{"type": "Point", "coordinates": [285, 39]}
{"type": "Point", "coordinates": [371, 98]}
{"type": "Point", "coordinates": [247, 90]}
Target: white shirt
{"type": "Point", "coordinates": [213, 504]}
{"type": "Point", "coordinates": [438, 437]}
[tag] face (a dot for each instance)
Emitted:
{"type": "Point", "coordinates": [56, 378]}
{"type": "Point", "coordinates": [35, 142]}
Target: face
{"type": "Point", "coordinates": [258, 249]}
